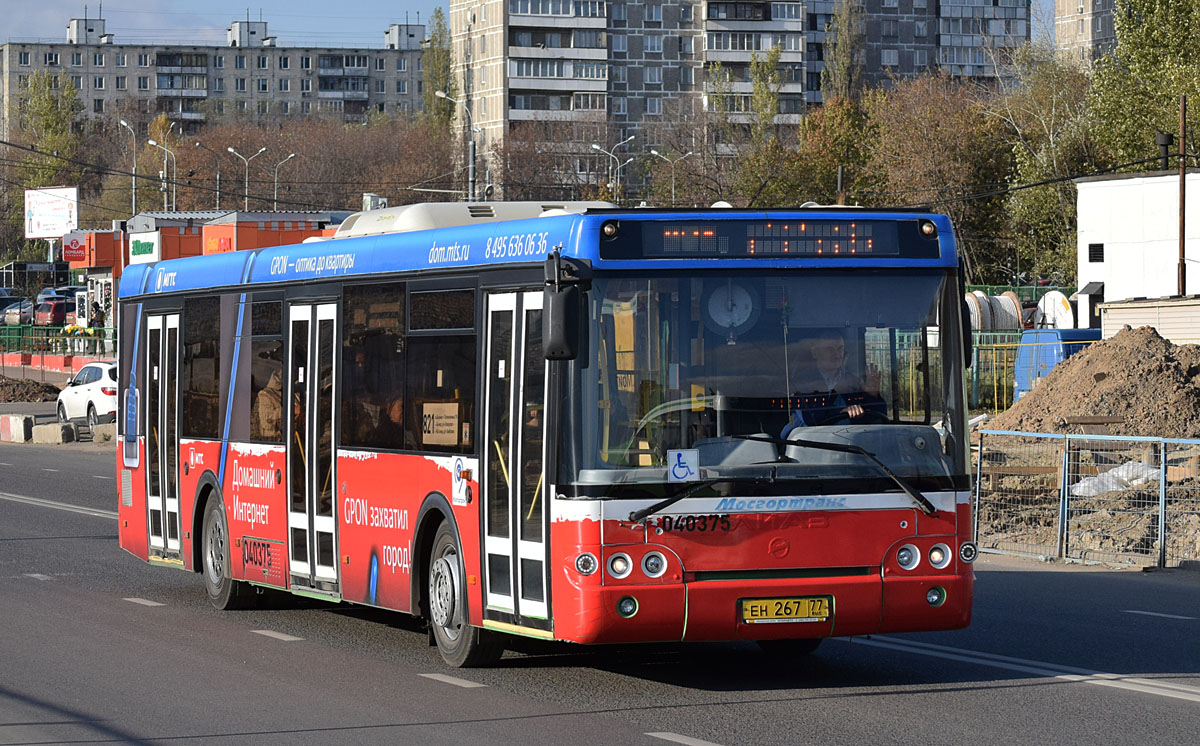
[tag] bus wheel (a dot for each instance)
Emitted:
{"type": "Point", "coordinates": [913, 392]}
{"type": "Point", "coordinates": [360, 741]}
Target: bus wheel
{"type": "Point", "coordinates": [789, 648]}
{"type": "Point", "coordinates": [460, 644]}
{"type": "Point", "coordinates": [223, 591]}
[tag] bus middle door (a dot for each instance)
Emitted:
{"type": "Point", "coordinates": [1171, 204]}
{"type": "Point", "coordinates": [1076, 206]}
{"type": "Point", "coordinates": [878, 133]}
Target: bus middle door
{"type": "Point", "coordinates": [162, 436]}
{"type": "Point", "coordinates": [312, 534]}
{"type": "Point", "coordinates": [515, 548]}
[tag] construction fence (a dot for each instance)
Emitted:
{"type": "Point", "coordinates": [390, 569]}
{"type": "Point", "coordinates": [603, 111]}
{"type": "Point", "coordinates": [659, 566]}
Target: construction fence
{"type": "Point", "coordinates": [1091, 498]}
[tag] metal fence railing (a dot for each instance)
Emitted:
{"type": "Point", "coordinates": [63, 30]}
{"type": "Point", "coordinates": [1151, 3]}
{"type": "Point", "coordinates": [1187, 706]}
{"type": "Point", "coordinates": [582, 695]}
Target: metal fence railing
{"type": "Point", "coordinates": [1092, 498]}
{"type": "Point", "coordinates": [56, 340]}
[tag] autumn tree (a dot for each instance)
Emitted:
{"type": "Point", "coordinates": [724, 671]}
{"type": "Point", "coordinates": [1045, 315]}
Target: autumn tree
{"type": "Point", "coordinates": [438, 63]}
{"type": "Point", "coordinates": [48, 132]}
{"type": "Point", "coordinates": [741, 147]}
{"type": "Point", "coordinates": [936, 149]}
{"type": "Point", "coordinates": [1042, 107]}
{"type": "Point", "coordinates": [845, 44]}
{"type": "Point", "coordinates": [1136, 89]}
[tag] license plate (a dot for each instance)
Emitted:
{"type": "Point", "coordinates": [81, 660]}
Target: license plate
{"type": "Point", "coordinates": [786, 610]}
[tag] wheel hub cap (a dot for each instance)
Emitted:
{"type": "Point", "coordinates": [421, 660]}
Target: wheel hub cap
{"type": "Point", "coordinates": [441, 592]}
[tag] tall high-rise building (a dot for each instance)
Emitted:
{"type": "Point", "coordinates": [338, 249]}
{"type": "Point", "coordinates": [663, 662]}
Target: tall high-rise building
{"type": "Point", "coordinates": [608, 70]}
{"type": "Point", "coordinates": [252, 75]}
{"type": "Point", "coordinates": [1084, 28]}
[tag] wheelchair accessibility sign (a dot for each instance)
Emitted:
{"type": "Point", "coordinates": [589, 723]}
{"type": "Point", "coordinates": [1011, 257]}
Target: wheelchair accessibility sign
{"type": "Point", "coordinates": [683, 465]}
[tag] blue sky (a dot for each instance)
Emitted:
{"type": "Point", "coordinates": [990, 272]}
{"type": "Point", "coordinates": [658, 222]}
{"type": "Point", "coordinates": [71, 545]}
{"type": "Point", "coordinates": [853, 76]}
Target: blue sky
{"type": "Point", "coordinates": [294, 22]}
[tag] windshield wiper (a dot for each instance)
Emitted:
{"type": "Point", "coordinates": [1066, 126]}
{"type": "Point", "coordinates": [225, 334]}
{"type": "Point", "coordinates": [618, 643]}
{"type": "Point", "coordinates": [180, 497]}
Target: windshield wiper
{"type": "Point", "coordinates": [921, 501]}
{"type": "Point", "coordinates": [650, 510]}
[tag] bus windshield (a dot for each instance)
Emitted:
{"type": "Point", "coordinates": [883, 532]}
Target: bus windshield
{"type": "Point", "coordinates": [737, 371]}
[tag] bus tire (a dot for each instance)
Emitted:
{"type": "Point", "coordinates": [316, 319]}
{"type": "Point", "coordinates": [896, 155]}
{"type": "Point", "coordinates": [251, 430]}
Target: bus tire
{"type": "Point", "coordinates": [460, 644]}
{"type": "Point", "coordinates": [224, 592]}
{"type": "Point", "coordinates": [789, 648]}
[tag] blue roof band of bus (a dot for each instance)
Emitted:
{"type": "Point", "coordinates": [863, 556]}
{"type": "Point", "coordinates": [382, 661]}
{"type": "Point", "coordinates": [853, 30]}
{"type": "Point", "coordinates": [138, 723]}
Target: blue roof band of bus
{"type": "Point", "coordinates": [488, 244]}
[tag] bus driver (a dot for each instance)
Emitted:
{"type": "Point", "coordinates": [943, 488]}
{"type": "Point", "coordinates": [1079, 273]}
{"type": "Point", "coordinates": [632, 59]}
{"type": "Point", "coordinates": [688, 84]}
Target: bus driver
{"type": "Point", "coordinates": [833, 393]}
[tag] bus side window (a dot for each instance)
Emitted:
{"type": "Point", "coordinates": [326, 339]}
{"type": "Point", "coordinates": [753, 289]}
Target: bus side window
{"type": "Point", "coordinates": [373, 366]}
{"type": "Point", "coordinates": [266, 372]}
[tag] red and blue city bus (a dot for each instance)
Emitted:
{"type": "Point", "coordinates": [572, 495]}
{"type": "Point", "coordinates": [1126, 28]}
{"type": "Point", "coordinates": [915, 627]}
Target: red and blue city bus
{"type": "Point", "coordinates": [568, 422]}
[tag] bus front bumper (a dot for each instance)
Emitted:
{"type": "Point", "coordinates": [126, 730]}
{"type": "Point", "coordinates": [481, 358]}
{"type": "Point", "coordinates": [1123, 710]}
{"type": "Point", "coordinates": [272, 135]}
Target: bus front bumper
{"type": "Point", "coordinates": [715, 610]}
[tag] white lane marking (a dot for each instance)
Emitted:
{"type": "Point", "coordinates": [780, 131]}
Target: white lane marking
{"type": "Point", "coordinates": [4, 464]}
{"type": "Point", "coordinates": [277, 635]}
{"type": "Point", "coordinates": [452, 680]}
{"type": "Point", "coordinates": [144, 602]}
{"type": "Point", "coordinates": [676, 738]}
{"type": "Point", "coordinates": [97, 476]}
{"type": "Point", "coordinates": [49, 469]}
{"type": "Point", "coordinates": [59, 506]}
{"type": "Point", "coordinates": [1038, 668]}
{"type": "Point", "coordinates": [38, 576]}
{"type": "Point", "coordinates": [1155, 613]}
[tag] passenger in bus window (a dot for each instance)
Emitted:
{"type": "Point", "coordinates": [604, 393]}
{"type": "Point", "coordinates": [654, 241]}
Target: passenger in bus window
{"type": "Point", "coordinates": [831, 392]}
{"type": "Point", "coordinates": [268, 409]}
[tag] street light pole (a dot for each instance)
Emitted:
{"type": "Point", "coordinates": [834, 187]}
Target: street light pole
{"type": "Point", "coordinates": [133, 152]}
{"type": "Point", "coordinates": [672, 162]}
{"type": "Point", "coordinates": [615, 181]}
{"type": "Point", "coordinates": [217, 158]}
{"type": "Point", "coordinates": [470, 143]}
{"type": "Point", "coordinates": [246, 182]}
{"type": "Point", "coordinates": [277, 165]}
{"type": "Point", "coordinates": [167, 151]}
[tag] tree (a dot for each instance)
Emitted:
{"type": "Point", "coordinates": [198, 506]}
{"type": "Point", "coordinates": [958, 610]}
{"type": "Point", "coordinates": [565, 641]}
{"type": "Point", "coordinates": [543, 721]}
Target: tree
{"type": "Point", "coordinates": [838, 134]}
{"type": "Point", "coordinates": [741, 149]}
{"type": "Point", "coordinates": [46, 124]}
{"type": "Point", "coordinates": [844, 47]}
{"type": "Point", "coordinates": [936, 149]}
{"type": "Point", "coordinates": [1042, 107]}
{"type": "Point", "coordinates": [438, 62]}
{"type": "Point", "coordinates": [1136, 89]}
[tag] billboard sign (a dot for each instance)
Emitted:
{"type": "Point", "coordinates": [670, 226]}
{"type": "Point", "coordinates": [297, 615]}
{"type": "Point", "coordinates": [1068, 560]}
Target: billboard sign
{"type": "Point", "coordinates": [145, 247]}
{"type": "Point", "coordinates": [74, 247]}
{"type": "Point", "coordinates": [49, 213]}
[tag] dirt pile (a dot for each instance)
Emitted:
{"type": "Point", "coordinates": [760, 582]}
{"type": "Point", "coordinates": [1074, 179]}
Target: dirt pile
{"type": "Point", "coordinates": [24, 389]}
{"type": "Point", "coordinates": [1136, 375]}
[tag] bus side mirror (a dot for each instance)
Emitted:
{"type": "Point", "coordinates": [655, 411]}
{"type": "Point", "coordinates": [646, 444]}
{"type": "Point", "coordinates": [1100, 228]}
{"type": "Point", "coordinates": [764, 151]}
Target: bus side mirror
{"type": "Point", "coordinates": [563, 331]}
{"type": "Point", "coordinates": [560, 335]}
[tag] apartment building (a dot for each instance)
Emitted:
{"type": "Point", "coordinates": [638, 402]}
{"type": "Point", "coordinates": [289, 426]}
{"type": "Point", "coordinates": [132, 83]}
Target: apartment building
{"type": "Point", "coordinates": [620, 67]}
{"type": "Point", "coordinates": [1084, 28]}
{"type": "Point", "coordinates": [251, 75]}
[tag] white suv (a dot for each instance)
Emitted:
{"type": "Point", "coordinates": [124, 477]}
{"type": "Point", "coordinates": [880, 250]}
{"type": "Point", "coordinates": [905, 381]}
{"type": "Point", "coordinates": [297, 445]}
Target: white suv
{"type": "Point", "coordinates": [92, 393]}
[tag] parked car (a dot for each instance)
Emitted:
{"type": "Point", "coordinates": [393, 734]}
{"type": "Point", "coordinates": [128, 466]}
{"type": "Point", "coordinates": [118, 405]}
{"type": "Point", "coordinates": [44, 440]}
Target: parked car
{"type": "Point", "coordinates": [53, 312]}
{"type": "Point", "coordinates": [91, 395]}
{"type": "Point", "coordinates": [9, 293]}
{"type": "Point", "coordinates": [20, 312]}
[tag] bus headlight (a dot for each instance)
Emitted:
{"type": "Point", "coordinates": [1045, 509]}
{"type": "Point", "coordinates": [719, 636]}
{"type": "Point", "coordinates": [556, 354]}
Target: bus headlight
{"type": "Point", "coordinates": [627, 607]}
{"type": "Point", "coordinates": [586, 563]}
{"type": "Point", "coordinates": [619, 566]}
{"type": "Point", "coordinates": [654, 565]}
{"type": "Point", "coordinates": [939, 556]}
{"type": "Point", "coordinates": [936, 596]}
{"type": "Point", "coordinates": [968, 552]}
{"type": "Point", "coordinates": [908, 556]}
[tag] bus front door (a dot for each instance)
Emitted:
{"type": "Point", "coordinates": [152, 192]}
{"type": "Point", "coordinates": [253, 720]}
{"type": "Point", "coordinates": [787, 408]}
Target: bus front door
{"type": "Point", "coordinates": [515, 559]}
{"type": "Point", "coordinates": [312, 537]}
{"type": "Point", "coordinates": [162, 435]}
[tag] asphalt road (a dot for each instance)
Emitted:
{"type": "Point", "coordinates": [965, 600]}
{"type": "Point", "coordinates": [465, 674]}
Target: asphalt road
{"type": "Point", "coordinates": [97, 647]}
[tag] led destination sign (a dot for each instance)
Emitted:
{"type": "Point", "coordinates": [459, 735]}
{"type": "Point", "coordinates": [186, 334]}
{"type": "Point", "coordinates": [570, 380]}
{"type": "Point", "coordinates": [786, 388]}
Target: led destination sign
{"type": "Point", "coordinates": [769, 239]}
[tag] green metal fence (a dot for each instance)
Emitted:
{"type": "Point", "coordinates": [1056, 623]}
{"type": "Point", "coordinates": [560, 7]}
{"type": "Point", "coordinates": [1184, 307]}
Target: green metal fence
{"type": "Point", "coordinates": [57, 340]}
